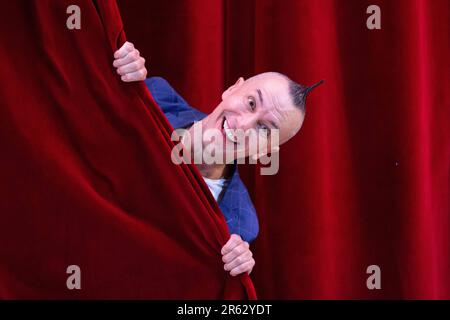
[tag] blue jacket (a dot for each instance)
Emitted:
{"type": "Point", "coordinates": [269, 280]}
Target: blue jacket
{"type": "Point", "coordinates": [235, 203]}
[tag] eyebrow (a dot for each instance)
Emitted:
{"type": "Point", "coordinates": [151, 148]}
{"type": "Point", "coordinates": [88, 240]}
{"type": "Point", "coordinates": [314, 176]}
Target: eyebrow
{"type": "Point", "coordinates": [261, 100]}
{"type": "Point", "coordinates": [260, 96]}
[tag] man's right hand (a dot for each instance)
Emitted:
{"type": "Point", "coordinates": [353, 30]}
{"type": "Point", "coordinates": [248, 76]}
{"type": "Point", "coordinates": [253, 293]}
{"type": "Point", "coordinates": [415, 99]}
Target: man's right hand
{"type": "Point", "coordinates": [130, 65]}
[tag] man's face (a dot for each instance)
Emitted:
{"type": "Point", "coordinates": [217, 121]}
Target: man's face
{"type": "Point", "coordinates": [258, 106]}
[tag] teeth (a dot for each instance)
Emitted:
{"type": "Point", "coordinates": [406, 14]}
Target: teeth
{"type": "Point", "coordinates": [228, 131]}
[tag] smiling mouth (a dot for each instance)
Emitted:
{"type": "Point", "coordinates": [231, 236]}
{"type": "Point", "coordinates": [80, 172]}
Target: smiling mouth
{"type": "Point", "coordinates": [228, 132]}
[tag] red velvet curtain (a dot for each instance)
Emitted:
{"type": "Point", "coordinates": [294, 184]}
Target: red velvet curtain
{"type": "Point", "coordinates": [86, 177]}
{"type": "Point", "coordinates": [367, 180]}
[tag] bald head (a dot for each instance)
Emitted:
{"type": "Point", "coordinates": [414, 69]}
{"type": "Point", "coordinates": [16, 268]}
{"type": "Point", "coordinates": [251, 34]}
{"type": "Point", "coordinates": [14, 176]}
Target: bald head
{"type": "Point", "coordinates": [269, 101]}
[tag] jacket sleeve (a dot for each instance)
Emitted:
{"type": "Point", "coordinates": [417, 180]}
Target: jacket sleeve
{"type": "Point", "coordinates": [176, 109]}
{"type": "Point", "coordinates": [165, 96]}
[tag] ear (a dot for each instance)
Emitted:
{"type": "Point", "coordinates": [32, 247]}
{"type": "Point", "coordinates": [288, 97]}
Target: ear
{"type": "Point", "coordinates": [231, 89]}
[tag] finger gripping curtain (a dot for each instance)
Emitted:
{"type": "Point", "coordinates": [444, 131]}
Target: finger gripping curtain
{"type": "Point", "coordinates": [86, 177]}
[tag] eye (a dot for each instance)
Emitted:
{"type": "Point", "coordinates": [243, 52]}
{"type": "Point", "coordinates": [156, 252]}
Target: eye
{"type": "Point", "coordinates": [262, 128]}
{"type": "Point", "coordinates": [251, 103]}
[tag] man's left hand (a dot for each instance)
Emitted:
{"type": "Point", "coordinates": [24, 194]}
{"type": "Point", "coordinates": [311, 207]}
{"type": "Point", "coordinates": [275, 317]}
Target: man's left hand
{"type": "Point", "coordinates": [237, 256]}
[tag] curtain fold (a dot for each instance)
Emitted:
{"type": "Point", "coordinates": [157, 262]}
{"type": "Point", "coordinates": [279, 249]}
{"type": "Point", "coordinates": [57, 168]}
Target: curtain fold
{"type": "Point", "coordinates": [86, 174]}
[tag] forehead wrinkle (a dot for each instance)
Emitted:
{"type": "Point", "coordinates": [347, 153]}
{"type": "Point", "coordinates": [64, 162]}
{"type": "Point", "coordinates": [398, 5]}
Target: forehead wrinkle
{"type": "Point", "coordinates": [275, 109]}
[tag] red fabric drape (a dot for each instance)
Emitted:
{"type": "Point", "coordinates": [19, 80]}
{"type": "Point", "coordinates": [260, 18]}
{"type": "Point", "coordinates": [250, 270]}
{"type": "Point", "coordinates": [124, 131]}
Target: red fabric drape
{"type": "Point", "coordinates": [85, 171]}
{"type": "Point", "coordinates": [367, 180]}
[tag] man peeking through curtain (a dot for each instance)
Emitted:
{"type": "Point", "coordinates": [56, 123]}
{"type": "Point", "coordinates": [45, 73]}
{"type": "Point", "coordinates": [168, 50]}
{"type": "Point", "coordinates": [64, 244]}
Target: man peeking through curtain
{"type": "Point", "coordinates": [267, 105]}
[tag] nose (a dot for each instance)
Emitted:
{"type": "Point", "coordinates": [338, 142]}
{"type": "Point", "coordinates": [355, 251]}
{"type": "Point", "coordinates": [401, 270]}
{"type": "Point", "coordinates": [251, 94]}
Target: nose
{"type": "Point", "coordinates": [246, 121]}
